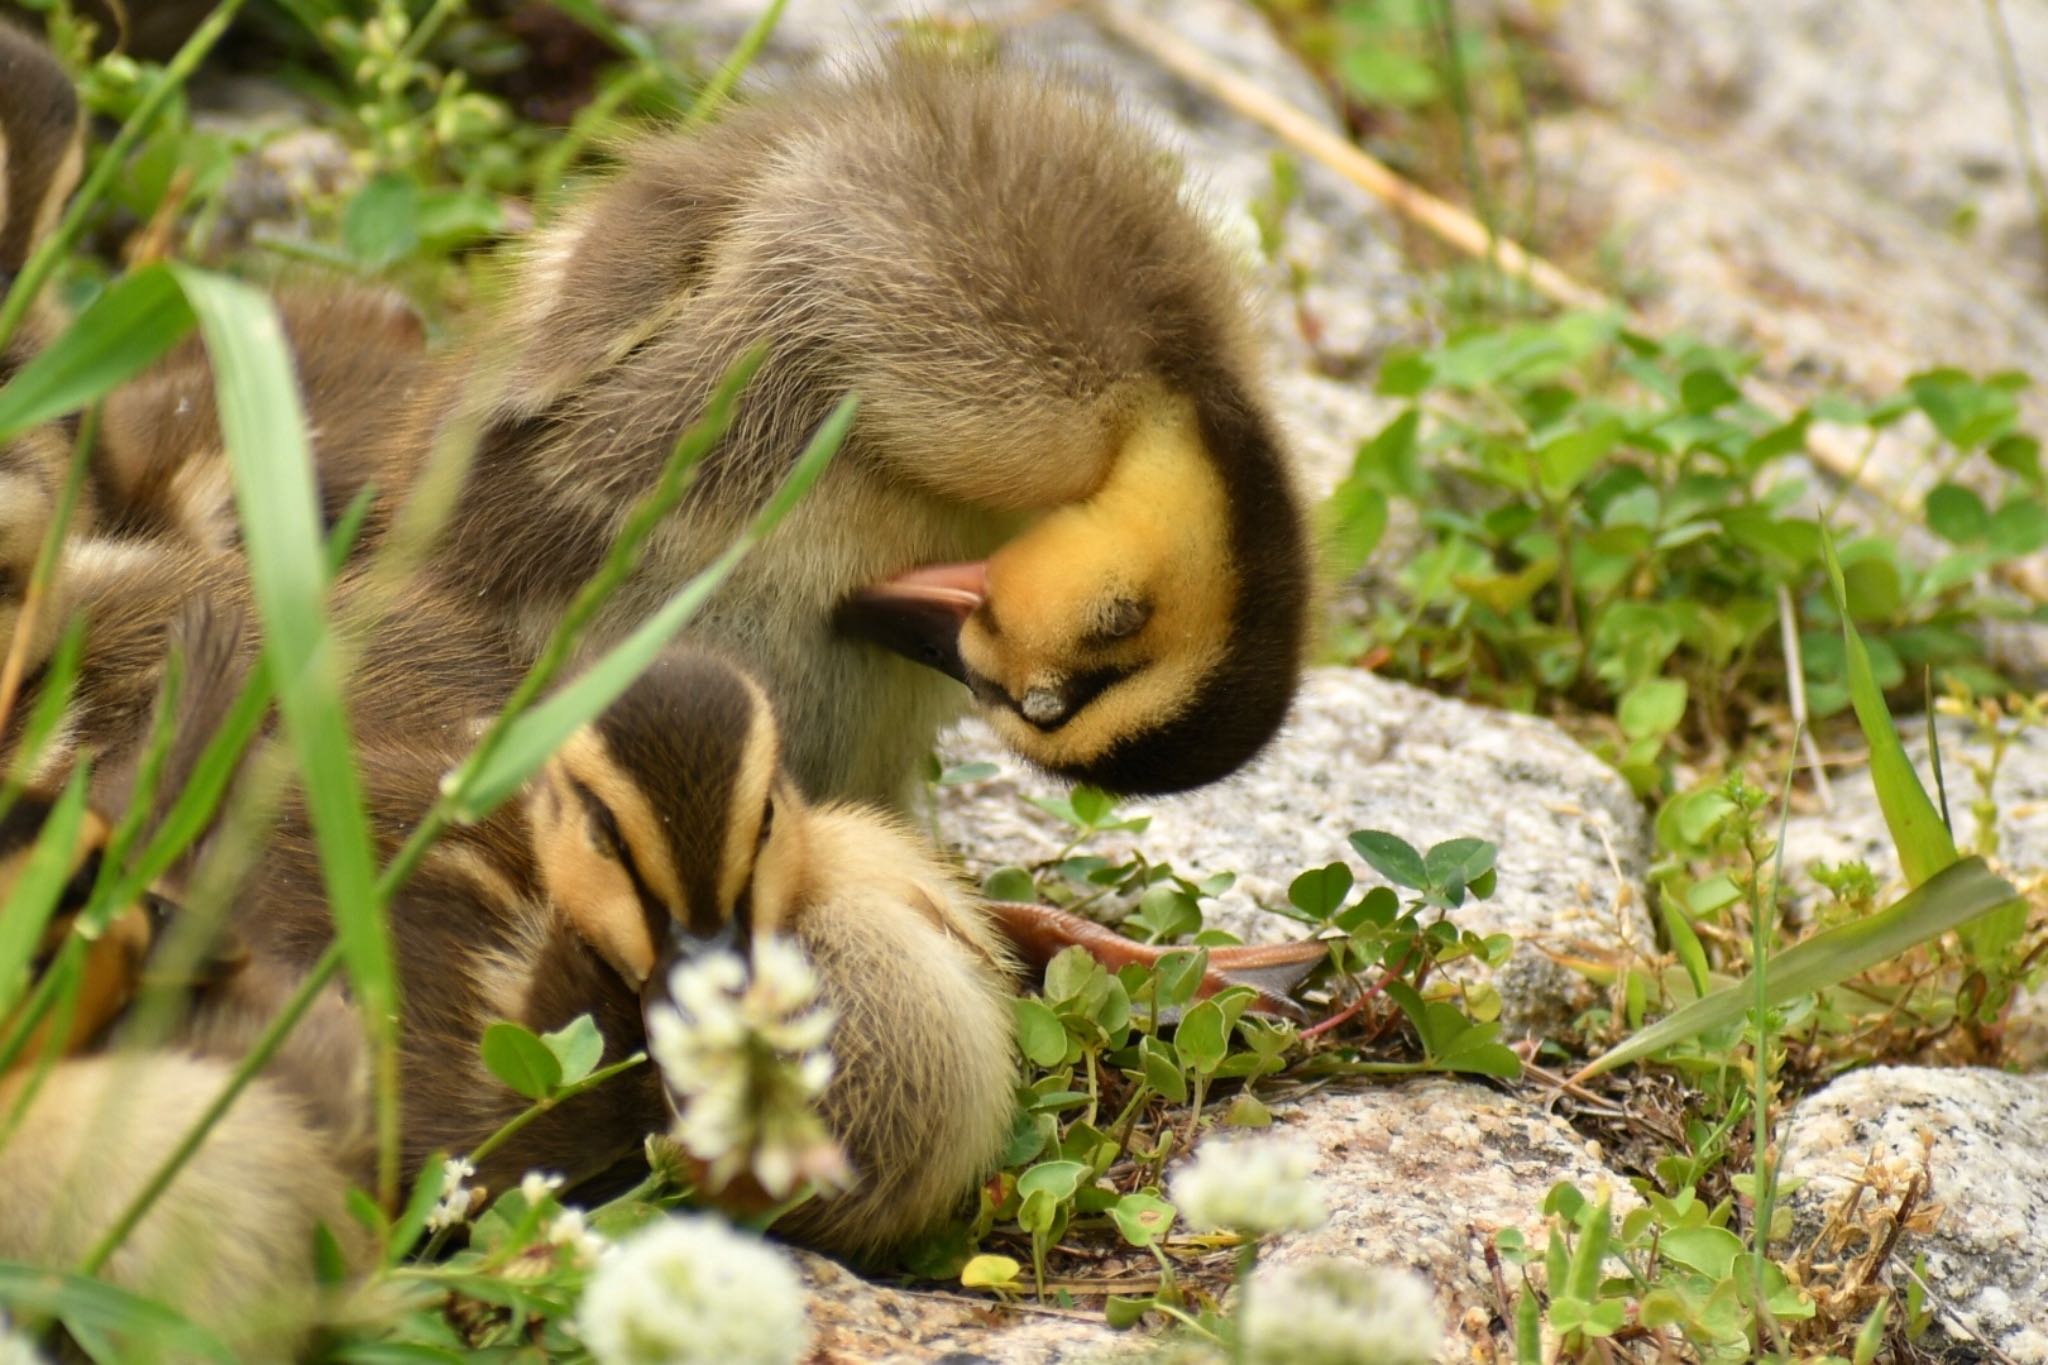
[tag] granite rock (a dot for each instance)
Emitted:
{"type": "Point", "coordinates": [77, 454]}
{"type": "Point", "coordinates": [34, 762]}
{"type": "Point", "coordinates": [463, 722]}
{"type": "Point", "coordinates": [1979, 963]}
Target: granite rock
{"type": "Point", "coordinates": [1980, 1140]}
{"type": "Point", "coordinates": [1423, 1174]}
{"type": "Point", "coordinates": [1361, 752]}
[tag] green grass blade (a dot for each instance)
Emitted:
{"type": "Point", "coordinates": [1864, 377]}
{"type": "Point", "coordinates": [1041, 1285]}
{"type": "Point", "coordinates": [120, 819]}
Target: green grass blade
{"type": "Point", "coordinates": [34, 897]}
{"type": "Point", "coordinates": [718, 89]}
{"type": "Point", "coordinates": [265, 432]}
{"type": "Point", "coordinates": [533, 736]}
{"type": "Point", "coordinates": [120, 334]}
{"type": "Point", "coordinates": [95, 1311]}
{"type": "Point", "coordinates": [1922, 839]}
{"type": "Point", "coordinates": [1950, 899]}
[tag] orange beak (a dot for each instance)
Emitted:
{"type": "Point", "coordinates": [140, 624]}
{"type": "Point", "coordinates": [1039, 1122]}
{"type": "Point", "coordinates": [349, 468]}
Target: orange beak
{"type": "Point", "coordinates": [919, 613]}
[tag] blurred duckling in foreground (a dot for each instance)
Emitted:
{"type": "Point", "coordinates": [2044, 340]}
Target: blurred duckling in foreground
{"type": "Point", "coordinates": [1063, 487]}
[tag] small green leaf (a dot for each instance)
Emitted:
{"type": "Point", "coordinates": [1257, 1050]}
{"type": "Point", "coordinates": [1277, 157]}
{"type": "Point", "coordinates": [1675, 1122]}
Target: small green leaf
{"type": "Point", "coordinates": [578, 1046]}
{"type": "Point", "coordinates": [1010, 884]}
{"type": "Point", "coordinates": [1321, 891]}
{"type": "Point", "coordinates": [1956, 514]}
{"type": "Point", "coordinates": [1162, 1070]}
{"type": "Point", "coordinates": [1143, 1218]}
{"type": "Point", "coordinates": [1392, 857]}
{"type": "Point", "coordinates": [990, 1272]}
{"type": "Point", "coordinates": [1711, 1251]}
{"type": "Point", "coordinates": [1703, 390]}
{"type": "Point", "coordinates": [1040, 1034]}
{"type": "Point", "coordinates": [382, 223]}
{"type": "Point", "coordinates": [1058, 1179]}
{"type": "Point", "coordinates": [516, 1056]}
{"type": "Point", "coordinates": [1565, 461]}
{"type": "Point", "coordinates": [1455, 863]}
{"type": "Point", "coordinates": [1201, 1040]}
{"type": "Point", "coordinates": [1652, 708]}
{"type": "Point", "coordinates": [1122, 1314]}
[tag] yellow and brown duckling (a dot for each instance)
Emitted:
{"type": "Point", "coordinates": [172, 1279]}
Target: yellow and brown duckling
{"type": "Point", "coordinates": [666, 824]}
{"type": "Point", "coordinates": [1063, 485]}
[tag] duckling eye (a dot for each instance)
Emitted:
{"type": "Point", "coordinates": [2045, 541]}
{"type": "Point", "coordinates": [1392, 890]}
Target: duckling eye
{"type": "Point", "coordinates": [767, 824]}
{"type": "Point", "coordinates": [1120, 619]}
{"type": "Point", "coordinates": [602, 826]}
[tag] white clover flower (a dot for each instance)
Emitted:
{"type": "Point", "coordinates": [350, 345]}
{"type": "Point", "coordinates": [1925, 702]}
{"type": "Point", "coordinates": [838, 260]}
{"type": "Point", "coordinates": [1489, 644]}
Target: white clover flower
{"type": "Point", "coordinates": [571, 1230]}
{"type": "Point", "coordinates": [743, 1053]}
{"type": "Point", "coordinates": [537, 1186]}
{"type": "Point", "coordinates": [457, 1199]}
{"type": "Point", "coordinates": [1332, 1312]}
{"type": "Point", "coordinates": [689, 1289]}
{"type": "Point", "coordinates": [1252, 1186]}
{"type": "Point", "coordinates": [17, 1348]}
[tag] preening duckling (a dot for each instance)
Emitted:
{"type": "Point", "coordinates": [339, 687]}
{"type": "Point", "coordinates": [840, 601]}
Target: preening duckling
{"type": "Point", "coordinates": [1055, 372]}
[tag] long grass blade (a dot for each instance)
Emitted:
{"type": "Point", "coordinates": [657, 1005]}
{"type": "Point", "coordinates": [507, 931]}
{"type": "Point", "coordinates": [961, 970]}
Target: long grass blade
{"type": "Point", "coordinates": [34, 896]}
{"type": "Point", "coordinates": [1950, 899]}
{"type": "Point", "coordinates": [121, 333]}
{"type": "Point", "coordinates": [1923, 841]}
{"type": "Point", "coordinates": [265, 433]}
{"type": "Point", "coordinates": [542, 730]}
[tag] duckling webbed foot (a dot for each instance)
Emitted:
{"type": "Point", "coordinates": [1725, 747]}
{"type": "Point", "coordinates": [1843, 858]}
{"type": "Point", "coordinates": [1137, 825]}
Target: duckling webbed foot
{"type": "Point", "coordinates": [1273, 970]}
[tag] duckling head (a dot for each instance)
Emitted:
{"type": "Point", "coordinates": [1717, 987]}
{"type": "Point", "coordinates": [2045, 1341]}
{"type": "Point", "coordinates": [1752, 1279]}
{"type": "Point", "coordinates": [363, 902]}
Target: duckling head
{"type": "Point", "coordinates": [667, 826]}
{"type": "Point", "coordinates": [1146, 638]}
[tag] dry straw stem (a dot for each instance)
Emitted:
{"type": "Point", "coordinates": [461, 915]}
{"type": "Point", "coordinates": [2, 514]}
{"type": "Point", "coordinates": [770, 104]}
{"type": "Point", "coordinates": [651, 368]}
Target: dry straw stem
{"type": "Point", "coordinates": [1454, 226]}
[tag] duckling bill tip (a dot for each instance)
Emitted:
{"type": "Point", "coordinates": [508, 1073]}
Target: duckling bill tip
{"type": "Point", "coordinates": [919, 613]}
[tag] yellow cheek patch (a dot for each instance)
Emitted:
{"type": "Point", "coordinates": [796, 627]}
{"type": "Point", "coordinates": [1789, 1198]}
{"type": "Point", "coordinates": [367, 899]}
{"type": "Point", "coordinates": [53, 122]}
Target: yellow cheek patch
{"type": "Point", "coordinates": [651, 843]}
{"type": "Point", "coordinates": [1156, 532]}
{"type": "Point", "coordinates": [591, 889]}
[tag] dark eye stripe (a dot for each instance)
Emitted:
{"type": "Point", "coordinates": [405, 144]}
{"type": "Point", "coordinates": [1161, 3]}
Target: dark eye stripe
{"type": "Point", "coordinates": [658, 916]}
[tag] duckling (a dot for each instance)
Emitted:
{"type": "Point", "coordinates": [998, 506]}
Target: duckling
{"type": "Point", "coordinates": [1063, 486]}
{"type": "Point", "coordinates": [231, 1239]}
{"type": "Point", "coordinates": [667, 822]}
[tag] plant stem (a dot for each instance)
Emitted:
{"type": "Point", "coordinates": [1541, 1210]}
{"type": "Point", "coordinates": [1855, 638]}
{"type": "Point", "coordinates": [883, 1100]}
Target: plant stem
{"type": "Point", "coordinates": [541, 1106]}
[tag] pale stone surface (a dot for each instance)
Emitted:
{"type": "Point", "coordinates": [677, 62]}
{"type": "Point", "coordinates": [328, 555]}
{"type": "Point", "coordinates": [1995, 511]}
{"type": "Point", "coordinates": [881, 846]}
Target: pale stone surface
{"type": "Point", "coordinates": [1424, 1173]}
{"type": "Point", "coordinates": [1978, 1135]}
{"type": "Point", "coordinates": [859, 1322]}
{"type": "Point", "coordinates": [1900, 97]}
{"type": "Point", "coordinates": [1361, 752]}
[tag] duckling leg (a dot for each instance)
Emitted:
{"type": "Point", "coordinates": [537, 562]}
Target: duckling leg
{"type": "Point", "coordinates": [229, 1243]}
{"type": "Point", "coordinates": [1273, 970]}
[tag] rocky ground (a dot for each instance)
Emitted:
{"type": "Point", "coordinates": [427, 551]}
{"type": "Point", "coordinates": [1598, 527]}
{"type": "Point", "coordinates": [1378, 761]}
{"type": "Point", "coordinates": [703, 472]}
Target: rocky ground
{"type": "Point", "coordinates": [1816, 182]}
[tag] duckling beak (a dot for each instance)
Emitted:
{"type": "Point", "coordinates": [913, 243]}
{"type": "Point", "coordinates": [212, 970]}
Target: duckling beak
{"type": "Point", "coordinates": [919, 614]}
{"type": "Point", "coordinates": [685, 944]}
